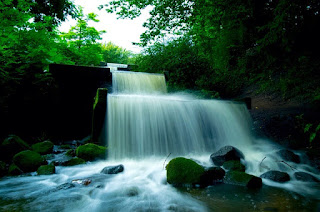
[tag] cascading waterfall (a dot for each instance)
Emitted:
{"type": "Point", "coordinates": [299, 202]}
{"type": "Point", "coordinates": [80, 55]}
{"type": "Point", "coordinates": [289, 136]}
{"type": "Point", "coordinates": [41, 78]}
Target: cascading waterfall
{"type": "Point", "coordinates": [144, 125]}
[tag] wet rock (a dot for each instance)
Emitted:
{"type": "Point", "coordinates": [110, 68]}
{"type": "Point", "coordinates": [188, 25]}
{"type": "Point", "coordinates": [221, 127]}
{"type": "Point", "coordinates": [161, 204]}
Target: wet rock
{"type": "Point", "coordinates": [71, 153]}
{"type": "Point", "coordinates": [212, 176]}
{"type": "Point", "coordinates": [226, 153]}
{"type": "Point", "coordinates": [73, 162]}
{"type": "Point", "coordinates": [12, 145]}
{"type": "Point", "coordinates": [242, 179]}
{"type": "Point", "coordinates": [98, 114]}
{"type": "Point", "coordinates": [276, 176]}
{"type": "Point", "coordinates": [182, 171]}
{"type": "Point", "coordinates": [14, 170]}
{"type": "Point", "coordinates": [65, 186]}
{"type": "Point", "coordinates": [90, 152]}
{"type": "Point", "coordinates": [234, 165]}
{"type": "Point", "coordinates": [288, 156]}
{"type": "Point", "coordinates": [43, 148]}
{"type": "Point", "coordinates": [84, 182]}
{"type": "Point", "coordinates": [46, 170]}
{"type": "Point", "coordinates": [28, 161]}
{"type": "Point", "coordinates": [305, 177]}
{"type": "Point", "coordinates": [113, 169]}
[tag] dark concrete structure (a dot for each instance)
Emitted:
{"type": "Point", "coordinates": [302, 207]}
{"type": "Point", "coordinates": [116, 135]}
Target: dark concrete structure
{"type": "Point", "coordinates": [73, 105]}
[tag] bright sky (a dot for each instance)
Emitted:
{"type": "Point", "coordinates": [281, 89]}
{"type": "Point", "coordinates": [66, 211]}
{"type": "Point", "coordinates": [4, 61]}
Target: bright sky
{"type": "Point", "coordinates": [121, 32]}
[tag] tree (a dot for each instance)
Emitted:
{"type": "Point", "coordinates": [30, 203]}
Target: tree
{"type": "Point", "coordinates": [115, 54]}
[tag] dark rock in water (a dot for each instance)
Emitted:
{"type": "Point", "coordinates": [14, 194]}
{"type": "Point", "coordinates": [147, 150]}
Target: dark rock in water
{"type": "Point", "coordinates": [234, 165]}
{"type": "Point", "coordinates": [28, 161]}
{"type": "Point", "coordinates": [90, 152]}
{"type": "Point", "coordinates": [64, 186]}
{"type": "Point", "coordinates": [288, 156]}
{"type": "Point", "coordinates": [46, 170]}
{"type": "Point", "coordinates": [14, 170]}
{"type": "Point", "coordinates": [73, 162]}
{"type": "Point", "coordinates": [226, 153]}
{"type": "Point", "coordinates": [43, 148]}
{"type": "Point", "coordinates": [305, 177]}
{"type": "Point", "coordinates": [212, 176]}
{"type": "Point", "coordinates": [276, 176]}
{"type": "Point", "coordinates": [11, 146]}
{"type": "Point", "coordinates": [71, 153]}
{"type": "Point", "coordinates": [242, 179]}
{"type": "Point", "coordinates": [182, 172]}
{"type": "Point", "coordinates": [113, 169]}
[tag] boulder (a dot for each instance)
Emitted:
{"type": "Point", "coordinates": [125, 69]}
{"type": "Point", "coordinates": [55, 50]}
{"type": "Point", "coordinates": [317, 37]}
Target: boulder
{"type": "Point", "coordinates": [112, 169]}
{"type": "Point", "coordinates": [242, 179]}
{"type": "Point", "coordinates": [14, 170]}
{"type": "Point", "coordinates": [305, 177]}
{"type": "Point", "coordinates": [46, 170]}
{"type": "Point", "coordinates": [288, 156]}
{"type": "Point", "coordinates": [11, 146]}
{"type": "Point", "coordinates": [71, 153]}
{"type": "Point", "coordinates": [226, 153]}
{"type": "Point", "coordinates": [234, 165]}
{"type": "Point", "coordinates": [28, 161]}
{"type": "Point", "coordinates": [276, 176]}
{"type": "Point", "coordinates": [3, 169]}
{"type": "Point", "coordinates": [182, 171]}
{"type": "Point", "coordinates": [90, 152]}
{"type": "Point", "coordinates": [43, 148]}
{"type": "Point", "coordinates": [212, 176]}
{"type": "Point", "coordinates": [73, 162]}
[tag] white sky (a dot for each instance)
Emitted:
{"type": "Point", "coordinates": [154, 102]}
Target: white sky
{"type": "Point", "coordinates": [121, 32]}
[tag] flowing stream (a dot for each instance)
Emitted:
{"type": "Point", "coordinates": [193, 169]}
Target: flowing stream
{"type": "Point", "coordinates": [145, 124]}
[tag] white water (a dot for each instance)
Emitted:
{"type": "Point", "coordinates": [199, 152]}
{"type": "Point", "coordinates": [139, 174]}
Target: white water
{"type": "Point", "coordinates": [144, 126]}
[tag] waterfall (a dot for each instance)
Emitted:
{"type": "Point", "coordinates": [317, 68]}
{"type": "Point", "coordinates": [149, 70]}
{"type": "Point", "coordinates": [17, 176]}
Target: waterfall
{"type": "Point", "coordinates": [144, 122]}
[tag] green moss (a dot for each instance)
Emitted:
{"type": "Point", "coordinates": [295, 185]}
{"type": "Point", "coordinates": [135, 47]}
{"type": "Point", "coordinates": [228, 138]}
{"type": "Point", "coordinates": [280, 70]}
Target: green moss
{"type": "Point", "coordinates": [43, 148]}
{"type": "Point", "coordinates": [46, 170]}
{"type": "Point", "coordinates": [65, 146]}
{"type": "Point", "coordinates": [14, 170]}
{"type": "Point", "coordinates": [90, 152]}
{"type": "Point", "coordinates": [242, 179]}
{"type": "Point", "coordinates": [28, 161]}
{"type": "Point", "coordinates": [74, 161]}
{"type": "Point", "coordinates": [184, 171]}
{"type": "Point", "coordinates": [11, 146]}
{"type": "Point", "coordinates": [71, 153]}
{"type": "Point", "coordinates": [234, 165]}
{"type": "Point", "coordinates": [98, 116]}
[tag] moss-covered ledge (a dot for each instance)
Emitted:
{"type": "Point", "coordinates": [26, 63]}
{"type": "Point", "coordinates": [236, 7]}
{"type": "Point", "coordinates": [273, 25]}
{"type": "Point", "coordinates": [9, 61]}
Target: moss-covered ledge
{"type": "Point", "coordinates": [98, 114]}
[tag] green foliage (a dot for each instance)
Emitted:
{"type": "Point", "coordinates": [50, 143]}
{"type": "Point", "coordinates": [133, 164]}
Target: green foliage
{"type": "Point", "coordinates": [184, 171]}
{"type": "Point", "coordinates": [310, 130]}
{"type": "Point", "coordinates": [115, 54]}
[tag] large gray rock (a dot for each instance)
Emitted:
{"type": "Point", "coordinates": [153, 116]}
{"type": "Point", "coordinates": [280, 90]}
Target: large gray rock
{"type": "Point", "coordinates": [276, 176]}
{"type": "Point", "coordinates": [226, 153]}
{"type": "Point", "coordinates": [112, 169]}
{"type": "Point", "coordinates": [305, 177]}
{"type": "Point", "coordinates": [288, 156]}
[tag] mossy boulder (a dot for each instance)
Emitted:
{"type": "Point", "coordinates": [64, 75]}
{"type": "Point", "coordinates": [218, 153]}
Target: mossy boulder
{"type": "Point", "coordinates": [11, 146]}
{"type": "Point", "coordinates": [234, 165]}
{"type": "Point", "coordinates": [183, 171]}
{"type": "Point", "coordinates": [74, 162]}
{"type": "Point", "coordinates": [90, 152]}
{"type": "Point", "coordinates": [43, 148]}
{"type": "Point", "coordinates": [3, 169]}
{"type": "Point", "coordinates": [28, 161]}
{"type": "Point", "coordinates": [46, 170]}
{"type": "Point", "coordinates": [14, 170]}
{"type": "Point", "coordinates": [71, 153]}
{"type": "Point", "coordinates": [242, 179]}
